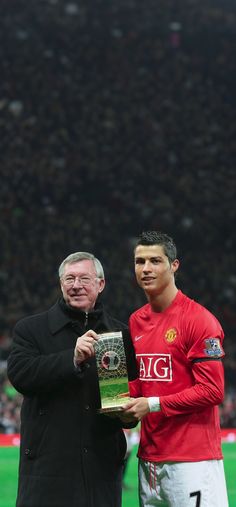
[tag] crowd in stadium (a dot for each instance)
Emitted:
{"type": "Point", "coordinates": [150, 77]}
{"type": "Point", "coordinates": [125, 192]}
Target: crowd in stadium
{"type": "Point", "coordinates": [116, 117]}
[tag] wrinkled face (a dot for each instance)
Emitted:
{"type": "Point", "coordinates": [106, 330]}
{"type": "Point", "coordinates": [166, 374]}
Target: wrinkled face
{"type": "Point", "coordinates": [80, 285]}
{"type": "Point", "coordinates": [154, 272]}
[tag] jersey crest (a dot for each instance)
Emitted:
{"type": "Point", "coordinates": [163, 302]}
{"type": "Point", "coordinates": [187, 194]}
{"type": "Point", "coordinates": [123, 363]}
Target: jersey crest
{"type": "Point", "coordinates": [171, 335]}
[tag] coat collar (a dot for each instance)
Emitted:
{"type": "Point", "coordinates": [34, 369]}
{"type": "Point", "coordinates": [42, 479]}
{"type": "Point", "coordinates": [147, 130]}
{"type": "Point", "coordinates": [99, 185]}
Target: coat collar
{"type": "Point", "coordinates": [58, 318]}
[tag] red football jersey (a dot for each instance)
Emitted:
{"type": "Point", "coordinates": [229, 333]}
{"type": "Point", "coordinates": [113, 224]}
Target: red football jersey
{"type": "Point", "coordinates": [178, 353]}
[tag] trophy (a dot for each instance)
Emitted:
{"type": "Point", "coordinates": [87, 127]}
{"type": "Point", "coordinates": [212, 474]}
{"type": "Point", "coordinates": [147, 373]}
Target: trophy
{"type": "Point", "coordinates": [112, 372]}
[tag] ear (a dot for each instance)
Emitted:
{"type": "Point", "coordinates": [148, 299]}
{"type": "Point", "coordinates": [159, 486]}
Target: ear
{"type": "Point", "coordinates": [101, 284]}
{"type": "Point", "coordinates": [175, 265]}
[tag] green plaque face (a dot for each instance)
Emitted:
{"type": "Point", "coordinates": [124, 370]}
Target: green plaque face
{"type": "Point", "coordinates": [112, 371]}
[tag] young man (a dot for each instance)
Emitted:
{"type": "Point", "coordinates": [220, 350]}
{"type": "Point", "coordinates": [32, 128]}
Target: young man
{"type": "Point", "coordinates": [178, 346]}
{"type": "Point", "coordinates": [70, 455]}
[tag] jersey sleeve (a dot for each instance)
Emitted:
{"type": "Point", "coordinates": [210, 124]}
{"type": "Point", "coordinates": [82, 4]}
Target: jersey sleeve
{"type": "Point", "coordinates": [204, 351]}
{"type": "Point", "coordinates": [135, 388]}
{"type": "Point", "coordinates": [204, 336]}
{"type": "Point", "coordinates": [134, 383]}
{"type": "Point", "coordinates": [208, 390]}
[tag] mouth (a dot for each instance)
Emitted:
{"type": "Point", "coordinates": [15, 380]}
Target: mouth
{"type": "Point", "coordinates": [77, 296]}
{"type": "Point", "coordinates": [148, 279]}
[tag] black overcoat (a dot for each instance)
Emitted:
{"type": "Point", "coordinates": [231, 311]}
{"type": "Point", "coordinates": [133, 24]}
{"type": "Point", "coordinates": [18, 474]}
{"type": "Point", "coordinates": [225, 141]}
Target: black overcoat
{"type": "Point", "coordinates": [70, 456]}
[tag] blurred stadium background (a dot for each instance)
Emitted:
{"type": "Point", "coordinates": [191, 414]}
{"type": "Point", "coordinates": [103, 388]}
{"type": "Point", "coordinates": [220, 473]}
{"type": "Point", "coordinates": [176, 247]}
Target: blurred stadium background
{"type": "Point", "coordinates": [116, 116]}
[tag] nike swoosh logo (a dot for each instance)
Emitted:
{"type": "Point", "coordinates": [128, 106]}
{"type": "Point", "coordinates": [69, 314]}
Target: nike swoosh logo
{"type": "Point", "coordinates": [138, 337]}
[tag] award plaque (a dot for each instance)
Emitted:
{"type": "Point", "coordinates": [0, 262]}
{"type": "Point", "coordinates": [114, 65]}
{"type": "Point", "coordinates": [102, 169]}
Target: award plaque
{"type": "Point", "coordinates": [112, 372]}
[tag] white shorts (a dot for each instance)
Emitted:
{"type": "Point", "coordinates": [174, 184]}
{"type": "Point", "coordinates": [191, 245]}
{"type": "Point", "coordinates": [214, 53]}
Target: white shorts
{"type": "Point", "coordinates": [195, 484]}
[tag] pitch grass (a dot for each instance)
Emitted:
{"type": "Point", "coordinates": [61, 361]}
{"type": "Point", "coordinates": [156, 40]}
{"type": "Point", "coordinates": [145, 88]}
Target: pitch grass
{"type": "Point", "coordinates": [9, 467]}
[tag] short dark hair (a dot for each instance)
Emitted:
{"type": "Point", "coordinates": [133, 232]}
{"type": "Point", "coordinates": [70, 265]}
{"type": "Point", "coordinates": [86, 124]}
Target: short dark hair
{"type": "Point", "coordinates": [159, 238]}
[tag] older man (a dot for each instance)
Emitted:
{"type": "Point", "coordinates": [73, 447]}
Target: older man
{"type": "Point", "coordinates": [70, 454]}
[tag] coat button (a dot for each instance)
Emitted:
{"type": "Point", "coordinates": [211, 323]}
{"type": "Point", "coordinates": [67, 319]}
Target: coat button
{"type": "Point", "coordinates": [85, 450]}
{"type": "Point", "coordinates": [29, 453]}
{"type": "Point", "coordinates": [87, 407]}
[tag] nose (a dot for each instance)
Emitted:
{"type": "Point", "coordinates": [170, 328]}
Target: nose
{"type": "Point", "coordinates": [147, 267]}
{"type": "Point", "coordinates": [77, 282]}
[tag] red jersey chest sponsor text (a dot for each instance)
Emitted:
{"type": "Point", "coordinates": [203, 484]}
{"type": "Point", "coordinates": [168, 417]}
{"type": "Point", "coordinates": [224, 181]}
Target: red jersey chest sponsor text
{"type": "Point", "coordinates": [155, 367]}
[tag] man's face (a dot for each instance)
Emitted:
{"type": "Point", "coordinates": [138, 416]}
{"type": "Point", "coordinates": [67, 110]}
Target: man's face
{"type": "Point", "coordinates": [80, 285]}
{"type": "Point", "coordinates": [154, 272]}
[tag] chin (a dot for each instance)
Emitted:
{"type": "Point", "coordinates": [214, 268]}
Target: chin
{"type": "Point", "coordinates": [76, 304]}
{"type": "Point", "coordinates": [148, 286]}
{"type": "Point", "coordinates": [149, 289]}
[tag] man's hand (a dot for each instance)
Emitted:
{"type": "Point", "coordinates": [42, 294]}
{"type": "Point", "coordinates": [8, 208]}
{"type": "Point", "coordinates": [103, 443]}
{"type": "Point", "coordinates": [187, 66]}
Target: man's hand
{"type": "Point", "coordinates": [84, 348]}
{"type": "Point", "coordinates": [136, 408]}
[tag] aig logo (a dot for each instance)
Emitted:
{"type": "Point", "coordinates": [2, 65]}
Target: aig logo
{"type": "Point", "coordinates": [155, 367]}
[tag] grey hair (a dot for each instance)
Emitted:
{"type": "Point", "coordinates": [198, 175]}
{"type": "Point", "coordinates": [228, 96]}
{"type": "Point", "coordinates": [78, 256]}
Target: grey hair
{"type": "Point", "coordinates": [81, 256]}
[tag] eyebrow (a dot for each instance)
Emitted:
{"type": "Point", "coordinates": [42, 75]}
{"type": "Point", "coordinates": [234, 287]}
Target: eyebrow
{"type": "Point", "coordinates": [74, 273]}
{"type": "Point", "coordinates": [154, 258]}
